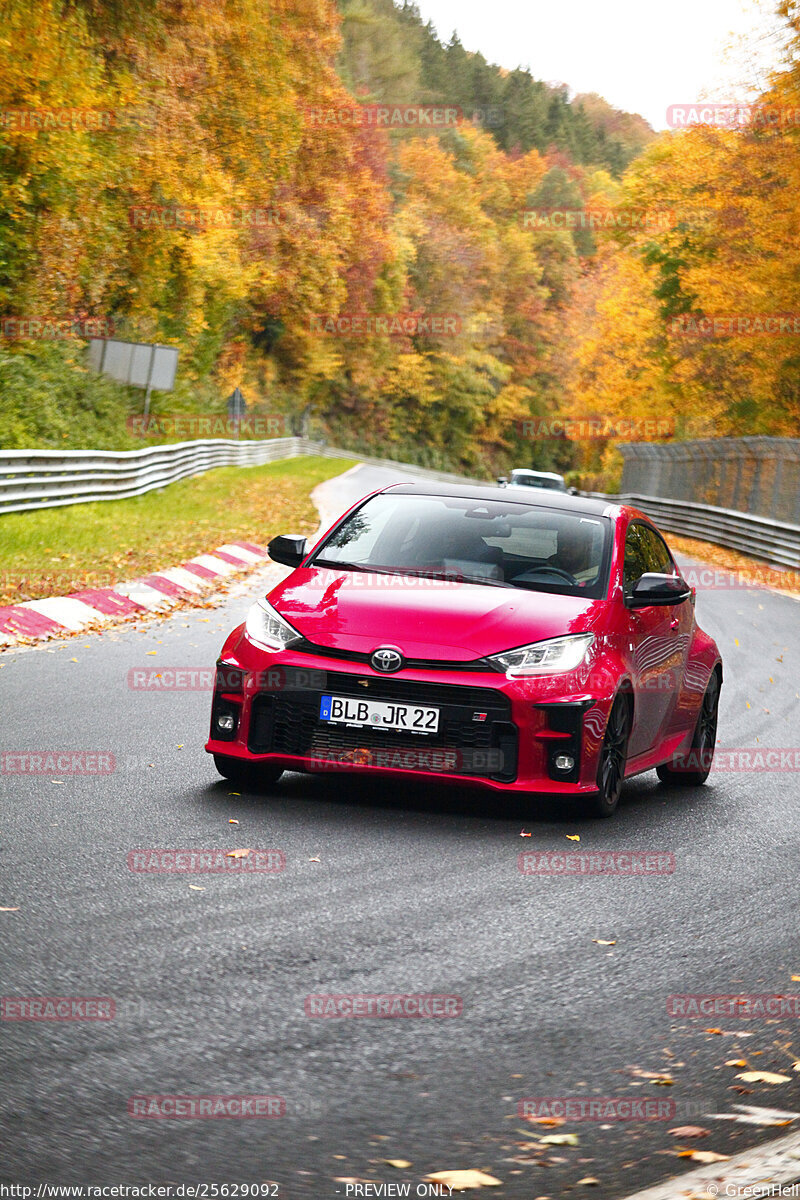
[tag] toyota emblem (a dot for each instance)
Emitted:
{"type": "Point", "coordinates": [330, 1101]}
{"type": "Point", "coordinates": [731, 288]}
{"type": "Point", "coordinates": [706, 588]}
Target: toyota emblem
{"type": "Point", "coordinates": [386, 660]}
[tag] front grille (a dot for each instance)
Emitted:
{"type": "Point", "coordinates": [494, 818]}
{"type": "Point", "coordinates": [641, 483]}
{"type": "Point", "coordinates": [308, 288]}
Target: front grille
{"type": "Point", "coordinates": [287, 722]}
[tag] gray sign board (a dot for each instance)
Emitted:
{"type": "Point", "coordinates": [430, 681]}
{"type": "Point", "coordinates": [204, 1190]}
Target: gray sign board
{"type": "Point", "coordinates": [140, 364]}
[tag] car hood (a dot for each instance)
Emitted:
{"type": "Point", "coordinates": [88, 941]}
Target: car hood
{"type": "Point", "coordinates": [424, 618]}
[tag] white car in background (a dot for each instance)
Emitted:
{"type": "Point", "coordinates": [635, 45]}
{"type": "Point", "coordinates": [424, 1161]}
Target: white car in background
{"type": "Point", "coordinates": [546, 480]}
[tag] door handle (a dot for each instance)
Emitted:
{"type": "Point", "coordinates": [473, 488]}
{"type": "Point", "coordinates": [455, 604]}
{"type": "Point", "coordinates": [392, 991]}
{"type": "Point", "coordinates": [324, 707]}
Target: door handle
{"type": "Point", "coordinates": [675, 623]}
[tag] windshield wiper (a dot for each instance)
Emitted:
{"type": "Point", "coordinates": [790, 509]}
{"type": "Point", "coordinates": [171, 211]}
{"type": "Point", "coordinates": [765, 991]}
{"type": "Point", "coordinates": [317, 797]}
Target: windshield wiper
{"type": "Point", "coordinates": [455, 577]}
{"type": "Point", "coordinates": [482, 579]}
{"type": "Point", "coordinates": [352, 566]}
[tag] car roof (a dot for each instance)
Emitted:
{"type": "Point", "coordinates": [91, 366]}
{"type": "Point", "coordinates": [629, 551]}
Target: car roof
{"type": "Point", "coordinates": [540, 499]}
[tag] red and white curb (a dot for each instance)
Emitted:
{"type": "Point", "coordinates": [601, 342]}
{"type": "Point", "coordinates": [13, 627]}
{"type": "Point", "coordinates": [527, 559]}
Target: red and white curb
{"type": "Point", "coordinates": [156, 592]}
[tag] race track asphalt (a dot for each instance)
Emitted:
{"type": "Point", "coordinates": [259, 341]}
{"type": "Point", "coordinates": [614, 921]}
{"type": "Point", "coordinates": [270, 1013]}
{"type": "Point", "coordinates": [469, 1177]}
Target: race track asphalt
{"type": "Point", "coordinates": [416, 890]}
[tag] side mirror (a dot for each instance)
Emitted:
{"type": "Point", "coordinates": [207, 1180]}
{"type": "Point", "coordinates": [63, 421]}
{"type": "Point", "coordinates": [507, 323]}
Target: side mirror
{"type": "Point", "coordinates": [661, 590]}
{"type": "Point", "coordinates": [287, 549]}
{"type": "Point", "coordinates": [573, 491]}
{"type": "Point", "coordinates": [502, 480]}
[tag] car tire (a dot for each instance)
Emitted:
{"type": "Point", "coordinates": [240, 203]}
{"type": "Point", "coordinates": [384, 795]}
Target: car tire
{"type": "Point", "coordinates": [678, 772]}
{"type": "Point", "coordinates": [246, 774]}
{"type": "Point", "coordinates": [613, 759]}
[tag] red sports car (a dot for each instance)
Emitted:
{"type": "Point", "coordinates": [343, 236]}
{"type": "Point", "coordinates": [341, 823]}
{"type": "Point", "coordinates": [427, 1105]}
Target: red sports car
{"type": "Point", "coordinates": [542, 644]}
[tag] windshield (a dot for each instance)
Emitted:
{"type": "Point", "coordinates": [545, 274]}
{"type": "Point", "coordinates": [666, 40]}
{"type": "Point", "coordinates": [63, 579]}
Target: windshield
{"type": "Point", "coordinates": [538, 481]}
{"type": "Point", "coordinates": [501, 544]}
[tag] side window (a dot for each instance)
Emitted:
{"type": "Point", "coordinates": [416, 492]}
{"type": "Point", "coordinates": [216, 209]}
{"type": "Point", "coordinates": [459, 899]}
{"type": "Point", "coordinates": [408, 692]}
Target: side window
{"type": "Point", "coordinates": [658, 557]}
{"type": "Point", "coordinates": [635, 564]}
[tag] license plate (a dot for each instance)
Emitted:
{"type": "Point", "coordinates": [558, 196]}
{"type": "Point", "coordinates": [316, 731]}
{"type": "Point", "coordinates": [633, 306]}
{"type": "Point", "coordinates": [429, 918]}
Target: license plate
{"type": "Point", "coordinates": [378, 714]}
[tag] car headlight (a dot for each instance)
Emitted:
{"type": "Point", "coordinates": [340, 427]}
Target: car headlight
{"type": "Point", "coordinates": [542, 658]}
{"type": "Point", "coordinates": [267, 628]}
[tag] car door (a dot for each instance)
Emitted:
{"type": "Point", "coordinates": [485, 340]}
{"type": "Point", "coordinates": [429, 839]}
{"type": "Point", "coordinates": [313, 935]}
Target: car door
{"type": "Point", "coordinates": [681, 626]}
{"type": "Point", "coordinates": [658, 640]}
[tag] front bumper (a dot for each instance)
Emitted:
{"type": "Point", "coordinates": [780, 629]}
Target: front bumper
{"type": "Point", "coordinates": [494, 732]}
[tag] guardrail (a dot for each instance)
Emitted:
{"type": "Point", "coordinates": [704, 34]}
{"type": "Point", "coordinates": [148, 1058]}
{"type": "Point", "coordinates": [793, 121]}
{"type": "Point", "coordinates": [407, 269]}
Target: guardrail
{"type": "Point", "coordinates": [32, 479]}
{"type": "Point", "coordinates": [777, 542]}
{"type": "Point", "coordinates": [49, 478]}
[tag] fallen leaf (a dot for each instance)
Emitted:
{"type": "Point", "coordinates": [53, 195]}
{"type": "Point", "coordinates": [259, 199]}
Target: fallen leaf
{"type": "Point", "coordinates": [400, 1163]}
{"type": "Point", "coordinates": [524, 834]}
{"type": "Point", "coordinates": [712, 1031]}
{"type": "Point", "coordinates": [10, 909]}
{"type": "Point", "coordinates": [573, 837]}
{"type": "Point", "coordinates": [549, 1121]}
{"type": "Point", "coordinates": [599, 942]}
{"type": "Point", "coordinates": [315, 860]}
{"type": "Point", "coordinates": [61, 781]}
{"type": "Point", "coordinates": [763, 1077]}
{"type": "Point", "coordinates": [736, 1062]}
{"type": "Point", "coordinates": [229, 793]}
{"type": "Point", "coordinates": [796, 979]}
{"type": "Point", "coordinates": [560, 1139]}
{"type": "Point", "coordinates": [459, 1181]}
{"type": "Point", "coordinates": [589, 1181]}
{"type": "Point", "coordinates": [705, 1156]}
{"type": "Point", "coordinates": [238, 853]}
{"type": "Point", "coordinates": [151, 652]}
{"type": "Point", "coordinates": [196, 888]}
{"type": "Point", "coordinates": [233, 821]}
{"type": "Point", "coordinates": [73, 660]}
{"type": "Point", "coordinates": [689, 1131]}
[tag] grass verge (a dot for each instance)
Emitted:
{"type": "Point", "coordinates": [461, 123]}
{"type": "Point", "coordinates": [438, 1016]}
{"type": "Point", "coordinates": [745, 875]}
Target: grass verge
{"type": "Point", "coordinates": [54, 551]}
